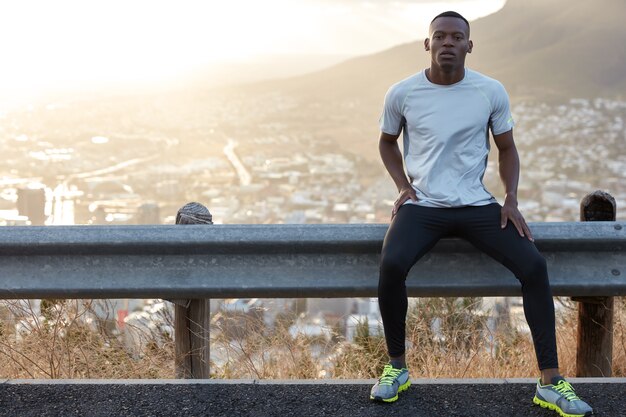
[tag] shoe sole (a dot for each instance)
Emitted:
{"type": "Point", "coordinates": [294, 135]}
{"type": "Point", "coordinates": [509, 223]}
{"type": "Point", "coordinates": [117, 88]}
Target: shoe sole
{"type": "Point", "coordinates": [554, 407]}
{"type": "Point", "coordinates": [401, 388]}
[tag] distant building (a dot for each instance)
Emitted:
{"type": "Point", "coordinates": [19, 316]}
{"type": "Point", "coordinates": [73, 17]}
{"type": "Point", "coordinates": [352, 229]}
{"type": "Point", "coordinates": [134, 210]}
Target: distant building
{"type": "Point", "coordinates": [148, 213]}
{"type": "Point", "coordinates": [31, 202]}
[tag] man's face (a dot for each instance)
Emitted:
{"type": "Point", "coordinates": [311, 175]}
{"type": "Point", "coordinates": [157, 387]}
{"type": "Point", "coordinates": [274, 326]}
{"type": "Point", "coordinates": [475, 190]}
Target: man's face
{"type": "Point", "coordinates": [448, 43]}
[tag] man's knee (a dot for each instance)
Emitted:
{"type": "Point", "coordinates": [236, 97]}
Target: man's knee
{"type": "Point", "coordinates": [538, 266]}
{"type": "Point", "coordinates": [535, 270]}
{"type": "Point", "coordinates": [392, 269]}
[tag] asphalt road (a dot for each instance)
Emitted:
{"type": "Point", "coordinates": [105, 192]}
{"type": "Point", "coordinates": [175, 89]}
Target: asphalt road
{"type": "Point", "coordinates": [292, 399]}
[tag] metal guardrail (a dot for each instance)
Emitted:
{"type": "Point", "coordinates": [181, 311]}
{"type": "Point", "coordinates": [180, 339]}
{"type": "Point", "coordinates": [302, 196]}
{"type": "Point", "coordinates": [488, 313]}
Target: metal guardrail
{"type": "Point", "coordinates": [195, 263]}
{"type": "Point", "coordinates": [290, 261]}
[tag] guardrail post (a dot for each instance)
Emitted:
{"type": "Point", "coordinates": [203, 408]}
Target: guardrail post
{"type": "Point", "coordinates": [192, 350]}
{"type": "Point", "coordinates": [594, 354]}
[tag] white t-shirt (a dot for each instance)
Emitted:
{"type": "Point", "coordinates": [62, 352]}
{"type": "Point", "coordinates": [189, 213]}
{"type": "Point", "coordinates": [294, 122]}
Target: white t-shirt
{"type": "Point", "coordinates": [446, 135]}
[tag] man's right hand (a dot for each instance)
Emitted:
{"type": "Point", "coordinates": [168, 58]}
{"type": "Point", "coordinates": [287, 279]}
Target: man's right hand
{"type": "Point", "coordinates": [406, 193]}
{"type": "Point", "coordinates": [392, 159]}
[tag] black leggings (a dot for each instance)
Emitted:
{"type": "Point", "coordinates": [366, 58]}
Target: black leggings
{"type": "Point", "coordinates": [416, 229]}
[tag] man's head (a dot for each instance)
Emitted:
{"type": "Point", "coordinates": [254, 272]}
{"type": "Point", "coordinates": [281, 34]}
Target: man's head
{"type": "Point", "coordinates": [450, 13]}
{"type": "Point", "coordinates": [448, 41]}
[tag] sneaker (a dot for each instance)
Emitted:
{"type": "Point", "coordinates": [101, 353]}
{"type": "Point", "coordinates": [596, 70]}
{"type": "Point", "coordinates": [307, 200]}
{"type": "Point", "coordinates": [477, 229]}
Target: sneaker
{"type": "Point", "coordinates": [560, 397]}
{"type": "Point", "coordinates": [390, 384]}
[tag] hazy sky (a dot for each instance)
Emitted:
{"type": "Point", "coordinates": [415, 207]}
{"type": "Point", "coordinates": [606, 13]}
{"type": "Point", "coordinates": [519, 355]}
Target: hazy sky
{"type": "Point", "coordinates": [72, 43]}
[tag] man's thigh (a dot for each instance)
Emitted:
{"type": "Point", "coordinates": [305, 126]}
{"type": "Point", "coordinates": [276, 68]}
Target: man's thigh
{"type": "Point", "coordinates": [413, 231]}
{"type": "Point", "coordinates": [481, 226]}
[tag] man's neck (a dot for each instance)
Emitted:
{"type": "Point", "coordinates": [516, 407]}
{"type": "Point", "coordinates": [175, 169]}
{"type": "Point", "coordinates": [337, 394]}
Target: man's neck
{"type": "Point", "coordinates": [437, 76]}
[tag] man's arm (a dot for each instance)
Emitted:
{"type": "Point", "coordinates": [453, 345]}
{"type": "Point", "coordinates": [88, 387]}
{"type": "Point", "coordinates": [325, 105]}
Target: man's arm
{"type": "Point", "coordinates": [508, 164]}
{"type": "Point", "coordinates": [392, 159]}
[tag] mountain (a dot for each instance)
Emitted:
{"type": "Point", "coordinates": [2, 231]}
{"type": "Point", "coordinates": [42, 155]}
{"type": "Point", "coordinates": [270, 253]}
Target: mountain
{"type": "Point", "coordinates": [554, 48]}
{"type": "Point", "coordinates": [542, 49]}
{"type": "Point", "coordinates": [265, 67]}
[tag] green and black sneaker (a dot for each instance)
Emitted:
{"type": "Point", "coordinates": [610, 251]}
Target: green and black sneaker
{"type": "Point", "coordinates": [560, 397]}
{"type": "Point", "coordinates": [391, 382]}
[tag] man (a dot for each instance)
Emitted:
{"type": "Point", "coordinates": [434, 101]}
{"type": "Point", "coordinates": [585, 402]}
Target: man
{"type": "Point", "coordinates": [445, 113]}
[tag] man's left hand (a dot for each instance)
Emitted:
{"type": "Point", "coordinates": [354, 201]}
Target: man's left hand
{"type": "Point", "coordinates": [510, 212]}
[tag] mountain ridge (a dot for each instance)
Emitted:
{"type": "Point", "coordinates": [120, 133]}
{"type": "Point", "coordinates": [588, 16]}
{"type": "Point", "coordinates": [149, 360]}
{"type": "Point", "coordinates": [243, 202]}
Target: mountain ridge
{"type": "Point", "coordinates": [539, 49]}
{"type": "Point", "coordinates": [543, 51]}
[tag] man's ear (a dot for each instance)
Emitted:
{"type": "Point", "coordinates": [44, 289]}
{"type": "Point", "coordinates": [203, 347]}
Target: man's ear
{"type": "Point", "coordinates": [471, 45]}
{"type": "Point", "coordinates": [427, 44]}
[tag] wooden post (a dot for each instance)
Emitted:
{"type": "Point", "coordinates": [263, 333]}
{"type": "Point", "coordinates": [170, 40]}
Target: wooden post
{"type": "Point", "coordinates": [594, 354]}
{"type": "Point", "coordinates": [192, 317]}
{"type": "Point", "coordinates": [192, 349]}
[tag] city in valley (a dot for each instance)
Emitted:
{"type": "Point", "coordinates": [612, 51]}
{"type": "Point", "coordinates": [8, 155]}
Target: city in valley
{"type": "Point", "coordinates": [270, 158]}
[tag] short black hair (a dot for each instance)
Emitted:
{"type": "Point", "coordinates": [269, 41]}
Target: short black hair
{"type": "Point", "coordinates": [450, 13]}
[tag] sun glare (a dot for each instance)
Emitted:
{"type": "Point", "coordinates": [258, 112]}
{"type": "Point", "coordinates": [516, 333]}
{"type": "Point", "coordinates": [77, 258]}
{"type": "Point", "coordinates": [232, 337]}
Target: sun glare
{"type": "Point", "coordinates": [78, 44]}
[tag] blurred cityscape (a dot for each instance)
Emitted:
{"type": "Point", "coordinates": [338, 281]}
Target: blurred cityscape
{"type": "Point", "coordinates": [263, 160]}
{"type": "Point", "coordinates": [271, 159]}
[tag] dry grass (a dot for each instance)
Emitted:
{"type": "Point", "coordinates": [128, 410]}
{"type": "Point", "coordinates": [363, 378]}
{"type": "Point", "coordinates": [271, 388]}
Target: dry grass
{"type": "Point", "coordinates": [466, 349]}
{"type": "Point", "coordinates": [65, 343]}
{"type": "Point", "coordinates": [254, 352]}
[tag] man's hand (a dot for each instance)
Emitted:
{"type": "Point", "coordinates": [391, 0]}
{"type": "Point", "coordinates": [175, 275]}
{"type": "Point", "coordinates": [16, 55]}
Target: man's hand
{"type": "Point", "coordinates": [510, 212]}
{"type": "Point", "coordinates": [406, 193]}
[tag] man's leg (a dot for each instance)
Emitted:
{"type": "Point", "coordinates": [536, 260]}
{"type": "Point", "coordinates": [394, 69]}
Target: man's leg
{"type": "Point", "coordinates": [481, 226]}
{"type": "Point", "coordinates": [413, 232]}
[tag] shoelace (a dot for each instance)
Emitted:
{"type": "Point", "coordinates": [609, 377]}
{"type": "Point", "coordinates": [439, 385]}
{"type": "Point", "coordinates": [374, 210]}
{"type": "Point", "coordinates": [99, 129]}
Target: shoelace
{"type": "Point", "coordinates": [565, 388]}
{"type": "Point", "coordinates": [389, 375]}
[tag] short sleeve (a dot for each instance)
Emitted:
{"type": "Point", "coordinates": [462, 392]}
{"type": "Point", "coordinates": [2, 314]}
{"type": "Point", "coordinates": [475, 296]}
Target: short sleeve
{"type": "Point", "coordinates": [391, 120]}
{"type": "Point", "coordinates": [501, 120]}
